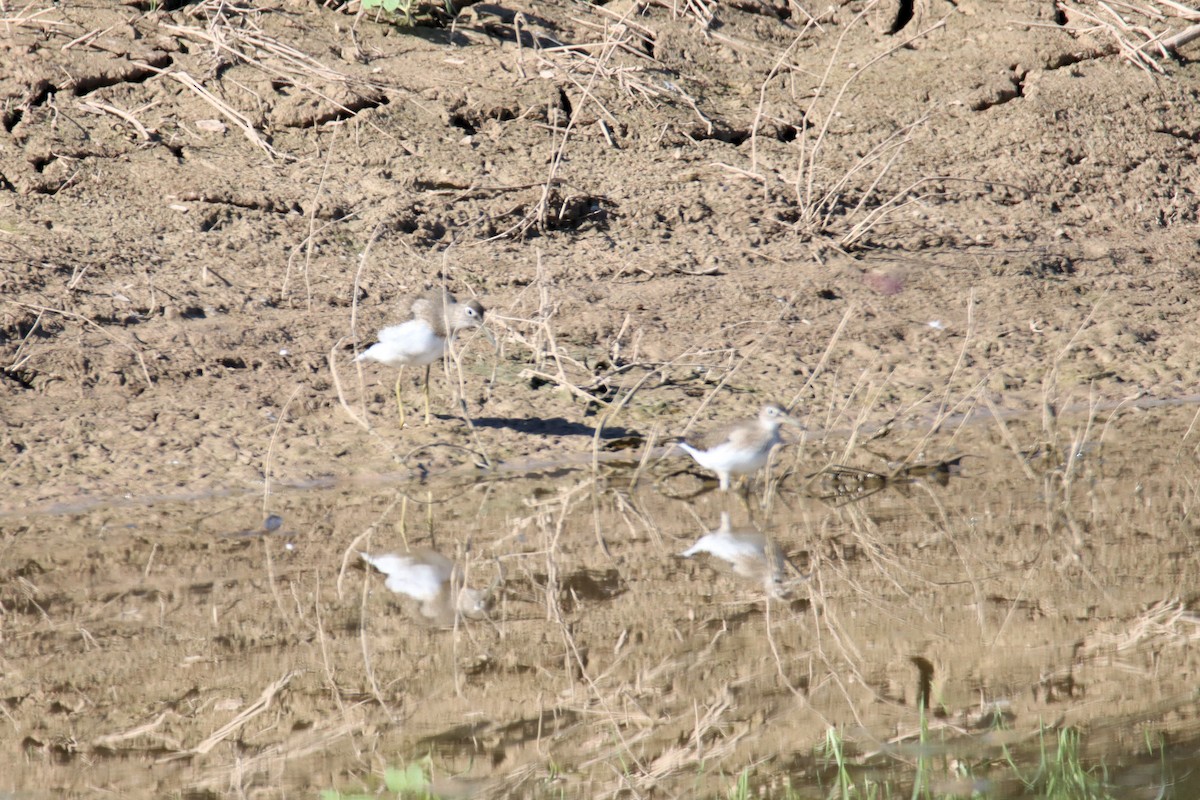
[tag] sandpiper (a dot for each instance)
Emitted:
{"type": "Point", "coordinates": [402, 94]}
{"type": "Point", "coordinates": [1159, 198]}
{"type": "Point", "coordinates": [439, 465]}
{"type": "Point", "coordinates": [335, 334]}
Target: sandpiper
{"type": "Point", "coordinates": [741, 448]}
{"type": "Point", "coordinates": [752, 554]}
{"type": "Point", "coordinates": [437, 316]}
{"type": "Point", "coordinates": [434, 580]}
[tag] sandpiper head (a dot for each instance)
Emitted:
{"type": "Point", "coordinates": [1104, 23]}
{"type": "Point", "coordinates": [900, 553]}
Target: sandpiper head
{"type": "Point", "coordinates": [470, 315]}
{"type": "Point", "coordinates": [773, 415]}
{"type": "Point", "coordinates": [474, 603]}
{"type": "Point", "coordinates": [467, 315]}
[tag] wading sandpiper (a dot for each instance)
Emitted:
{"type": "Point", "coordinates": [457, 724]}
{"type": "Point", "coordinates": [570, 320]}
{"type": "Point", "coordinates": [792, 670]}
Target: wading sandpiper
{"type": "Point", "coordinates": [743, 447]}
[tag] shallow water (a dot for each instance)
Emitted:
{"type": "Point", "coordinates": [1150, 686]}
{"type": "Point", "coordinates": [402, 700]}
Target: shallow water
{"type": "Point", "coordinates": [1034, 577]}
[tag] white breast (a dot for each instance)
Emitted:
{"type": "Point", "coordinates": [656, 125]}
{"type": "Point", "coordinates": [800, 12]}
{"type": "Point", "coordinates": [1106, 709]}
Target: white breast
{"type": "Point", "coordinates": [412, 344]}
{"type": "Point", "coordinates": [728, 546]}
{"type": "Point", "coordinates": [728, 457]}
{"type": "Point", "coordinates": [410, 576]}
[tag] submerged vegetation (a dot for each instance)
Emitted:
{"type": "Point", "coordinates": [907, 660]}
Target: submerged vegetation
{"type": "Point", "coordinates": [1055, 769]}
{"type": "Point", "coordinates": [409, 783]}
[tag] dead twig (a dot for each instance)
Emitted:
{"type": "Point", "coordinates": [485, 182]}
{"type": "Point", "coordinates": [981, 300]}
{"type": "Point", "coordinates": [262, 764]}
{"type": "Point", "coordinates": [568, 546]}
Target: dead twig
{"type": "Point", "coordinates": [259, 706]}
{"type": "Point", "coordinates": [1140, 34]}
{"type": "Point", "coordinates": [225, 110]}
{"type": "Point", "coordinates": [96, 107]}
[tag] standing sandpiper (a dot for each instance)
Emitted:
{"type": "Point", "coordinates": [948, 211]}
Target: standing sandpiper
{"type": "Point", "coordinates": [741, 448]}
{"type": "Point", "coordinates": [437, 316]}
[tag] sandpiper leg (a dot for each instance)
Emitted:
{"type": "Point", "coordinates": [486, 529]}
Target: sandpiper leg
{"type": "Point", "coordinates": [427, 368]}
{"type": "Point", "coordinates": [399, 402]}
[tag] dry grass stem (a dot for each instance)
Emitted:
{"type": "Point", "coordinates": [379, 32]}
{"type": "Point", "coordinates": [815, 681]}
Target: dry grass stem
{"type": "Point", "coordinates": [762, 96]}
{"type": "Point", "coordinates": [225, 110]}
{"type": "Point", "coordinates": [819, 203]}
{"type": "Point", "coordinates": [111, 740]}
{"type": "Point", "coordinates": [712, 393]}
{"type": "Point", "coordinates": [823, 362]}
{"type": "Point", "coordinates": [254, 47]}
{"type": "Point", "coordinates": [271, 448]}
{"type": "Point", "coordinates": [1143, 34]}
{"type": "Point", "coordinates": [314, 204]}
{"type": "Point", "coordinates": [334, 352]}
{"type": "Point", "coordinates": [98, 107]}
{"type": "Point", "coordinates": [250, 712]}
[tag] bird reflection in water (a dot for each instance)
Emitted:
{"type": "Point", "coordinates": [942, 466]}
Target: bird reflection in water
{"type": "Point", "coordinates": [436, 581]}
{"type": "Point", "coordinates": [752, 555]}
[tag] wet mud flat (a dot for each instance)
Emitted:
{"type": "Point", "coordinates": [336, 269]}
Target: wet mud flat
{"type": "Point", "coordinates": [1045, 582]}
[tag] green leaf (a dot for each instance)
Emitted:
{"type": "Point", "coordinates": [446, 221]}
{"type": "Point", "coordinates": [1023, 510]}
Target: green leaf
{"type": "Point", "coordinates": [410, 780]}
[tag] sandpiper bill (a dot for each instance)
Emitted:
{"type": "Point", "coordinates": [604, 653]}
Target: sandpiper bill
{"type": "Point", "coordinates": [437, 316]}
{"type": "Point", "coordinates": [743, 447]}
{"type": "Point", "coordinates": [434, 580]}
